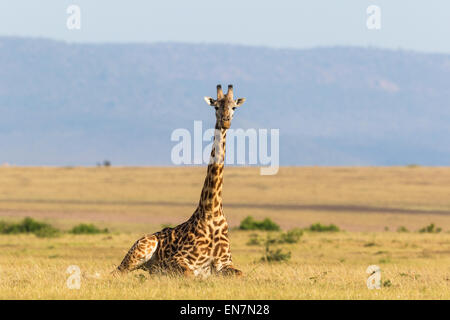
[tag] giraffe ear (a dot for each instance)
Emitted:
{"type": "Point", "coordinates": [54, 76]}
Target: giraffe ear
{"type": "Point", "coordinates": [210, 101]}
{"type": "Point", "coordinates": [239, 102]}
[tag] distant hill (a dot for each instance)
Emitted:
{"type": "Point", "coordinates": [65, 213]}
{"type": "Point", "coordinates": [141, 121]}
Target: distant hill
{"type": "Point", "coordinates": [78, 104]}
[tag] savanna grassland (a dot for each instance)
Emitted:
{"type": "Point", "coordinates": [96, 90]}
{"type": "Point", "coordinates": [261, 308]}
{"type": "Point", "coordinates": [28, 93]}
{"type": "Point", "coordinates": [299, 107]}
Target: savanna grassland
{"type": "Point", "coordinates": [369, 205]}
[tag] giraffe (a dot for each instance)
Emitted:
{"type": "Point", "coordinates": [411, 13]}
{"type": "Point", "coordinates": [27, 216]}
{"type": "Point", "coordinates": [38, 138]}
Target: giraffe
{"type": "Point", "coordinates": [199, 246]}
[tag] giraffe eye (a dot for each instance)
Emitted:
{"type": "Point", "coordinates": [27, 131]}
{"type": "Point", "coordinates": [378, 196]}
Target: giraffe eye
{"type": "Point", "coordinates": [217, 108]}
{"type": "Point", "coordinates": [234, 108]}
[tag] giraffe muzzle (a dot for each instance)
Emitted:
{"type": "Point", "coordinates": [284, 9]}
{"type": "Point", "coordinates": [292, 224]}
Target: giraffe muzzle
{"type": "Point", "coordinates": [226, 124]}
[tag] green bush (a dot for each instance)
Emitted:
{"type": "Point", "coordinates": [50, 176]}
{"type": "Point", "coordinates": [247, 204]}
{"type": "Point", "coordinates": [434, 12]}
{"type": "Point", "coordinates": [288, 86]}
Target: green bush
{"type": "Point", "coordinates": [250, 223]}
{"type": "Point", "coordinates": [274, 255]}
{"type": "Point", "coordinates": [402, 229]}
{"type": "Point", "coordinates": [45, 230]}
{"type": "Point", "coordinates": [84, 228]}
{"type": "Point", "coordinates": [292, 236]}
{"type": "Point", "coordinates": [29, 225]}
{"type": "Point", "coordinates": [430, 229]}
{"type": "Point", "coordinates": [317, 227]}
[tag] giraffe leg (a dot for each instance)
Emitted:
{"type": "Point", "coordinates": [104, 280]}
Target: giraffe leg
{"type": "Point", "coordinates": [230, 270]}
{"type": "Point", "coordinates": [181, 265]}
{"type": "Point", "coordinates": [140, 253]}
{"type": "Point", "coordinates": [224, 266]}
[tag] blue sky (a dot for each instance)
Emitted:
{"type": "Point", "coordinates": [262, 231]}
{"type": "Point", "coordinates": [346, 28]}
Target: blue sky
{"type": "Point", "coordinates": [407, 24]}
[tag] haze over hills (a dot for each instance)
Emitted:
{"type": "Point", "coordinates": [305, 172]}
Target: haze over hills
{"type": "Point", "coordinates": [78, 104]}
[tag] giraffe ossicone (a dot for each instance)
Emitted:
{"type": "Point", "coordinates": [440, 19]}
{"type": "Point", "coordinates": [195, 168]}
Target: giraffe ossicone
{"type": "Point", "coordinates": [200, 246]}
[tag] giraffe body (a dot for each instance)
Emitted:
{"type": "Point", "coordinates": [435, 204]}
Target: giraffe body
{"type": "Point", "coordinates": [199, 246]}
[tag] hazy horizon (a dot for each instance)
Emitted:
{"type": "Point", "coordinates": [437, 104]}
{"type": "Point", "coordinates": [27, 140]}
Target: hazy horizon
{"type": "Point", "coordinates": [256, 46]}
{"type": "Point", "coordinates": [406, 25]}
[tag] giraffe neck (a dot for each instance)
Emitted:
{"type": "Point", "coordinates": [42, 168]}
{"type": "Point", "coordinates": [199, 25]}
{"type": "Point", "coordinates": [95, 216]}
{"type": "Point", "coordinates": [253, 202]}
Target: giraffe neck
{"type": "Point", "coordinates": [210, 204]}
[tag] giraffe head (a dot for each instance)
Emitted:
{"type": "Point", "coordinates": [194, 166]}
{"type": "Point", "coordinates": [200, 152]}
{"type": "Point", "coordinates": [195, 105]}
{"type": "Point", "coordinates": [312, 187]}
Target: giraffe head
{"type": "Point", "coordinates": [225, 106]}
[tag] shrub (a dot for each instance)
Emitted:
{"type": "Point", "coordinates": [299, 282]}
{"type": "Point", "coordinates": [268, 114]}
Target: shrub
{"type": "Point", "coordinates": [292, 236]}
{"type": "Point", "coordinates": [250, 223]}
{"type": "Point", "coordinates": [274, 255]}
{"type": "Point", "coordinates": [402, 229]}
{"type": "Point", "coordinates": [29, 225]}
{"type": "Point", "coordinates": [84, 228]}
{"type": "Point", "coordinates": [317, 227]}
{"type": "Point", "coordinates": [430, 229]}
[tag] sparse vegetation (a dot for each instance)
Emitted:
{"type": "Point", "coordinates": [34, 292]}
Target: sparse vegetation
{"type": "Point", "coordinates": [45, 230]}
{"type": "Point", "coordinates": [317, 227]}
{"type": "Point", "coordinates": [249, 223]}
{"type": "Point", "coordinates": [431, 228]}
{"type": "Point", "coordinates": [85, 228]}
{"type": "Point", "coordinates": [402, 229]}
{"type": "Point", "coordinates": [291, 236]}
{"type": "Point", "coordinates": [29, 225]}
{"type": "Point", "coordinates": [288, 237]}
{"type": "Point", "coordinates": [274, 255]}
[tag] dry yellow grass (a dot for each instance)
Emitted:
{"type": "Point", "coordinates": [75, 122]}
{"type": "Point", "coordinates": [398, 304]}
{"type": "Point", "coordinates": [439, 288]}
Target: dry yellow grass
{"type": "Point", "coordinates": [130, 201]}
{"type": "Point", "coordinates": [323, 266]}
